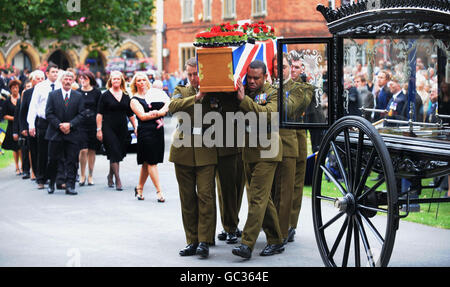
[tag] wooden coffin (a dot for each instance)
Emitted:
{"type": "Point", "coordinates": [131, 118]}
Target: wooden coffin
{"type": "Point", "coordinates": [215, 69]}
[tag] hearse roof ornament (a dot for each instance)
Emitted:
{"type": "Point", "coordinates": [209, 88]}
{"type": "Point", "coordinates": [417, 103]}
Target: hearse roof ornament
{"type": "Point", "coordinates": [397, 17]}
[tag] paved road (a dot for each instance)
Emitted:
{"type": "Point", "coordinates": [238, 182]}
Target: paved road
{"type": "Point", "coordinates": [104, 227]}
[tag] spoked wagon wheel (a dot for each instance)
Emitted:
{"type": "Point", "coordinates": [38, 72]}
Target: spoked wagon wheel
{"type": "Point", "coordinates": [354, 173]}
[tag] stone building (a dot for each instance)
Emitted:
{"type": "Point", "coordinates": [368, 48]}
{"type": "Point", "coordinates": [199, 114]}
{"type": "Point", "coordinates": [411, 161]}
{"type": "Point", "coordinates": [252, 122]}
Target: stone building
{"type": "Point", "coordinates": [24, 55]}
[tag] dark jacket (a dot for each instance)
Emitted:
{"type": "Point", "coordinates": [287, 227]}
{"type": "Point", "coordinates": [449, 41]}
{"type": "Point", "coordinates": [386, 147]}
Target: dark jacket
{"type": "Point", "coordinates": [56, 113]}
{"type": "Point", "coordinates": [398, 108]}
{"type": "Point", "coordinates": [383, 98]}
{"type": "Point", "coordinates": [23, 111]}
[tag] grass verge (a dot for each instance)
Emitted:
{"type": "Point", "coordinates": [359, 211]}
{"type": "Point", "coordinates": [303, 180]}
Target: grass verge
{"type": "Point", "coordinates": [426, 215]}
{"type": "Point", "coordinates": [6, 157]}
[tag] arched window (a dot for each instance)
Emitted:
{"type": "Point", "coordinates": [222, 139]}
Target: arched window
{"type": "Point", "coordinates": [22, 61]}
{"type": "Point", "coordinates": [60, 59]}
{"type": "Point", "coordinates": [95, 61]}
{"type": "Point", "coordinates": [128, 54]}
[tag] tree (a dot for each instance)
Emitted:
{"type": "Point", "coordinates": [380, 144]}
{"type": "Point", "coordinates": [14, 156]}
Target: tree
{"type": "Point", "coordinates": [97, 22]}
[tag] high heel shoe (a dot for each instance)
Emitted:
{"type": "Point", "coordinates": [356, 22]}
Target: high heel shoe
{"type": "Point", "coordinates": [110, 181]}
{"type": "Point", "coordinates": [138, 194]}
{"type": "Point", "coordinates": [90, 180]}
{"type": "Point", "coordinates": [160, 197]}
{"type": "Point", "coordinates": [82, 182]}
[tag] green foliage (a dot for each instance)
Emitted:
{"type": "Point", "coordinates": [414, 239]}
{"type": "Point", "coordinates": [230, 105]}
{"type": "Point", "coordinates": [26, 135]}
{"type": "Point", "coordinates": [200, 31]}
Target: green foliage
{"type": "Point", "coordinates": [98, 22]}
{"type": "Point", "coordinates": [6, 158]}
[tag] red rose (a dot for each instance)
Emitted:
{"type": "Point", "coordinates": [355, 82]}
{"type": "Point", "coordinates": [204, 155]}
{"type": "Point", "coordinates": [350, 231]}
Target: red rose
{"type": "Point", "coordinates": [216, 29]}
{"type": "Point", "coordinates": [229, 27]}
{"type": "Point", "coordinates": [256, 30]}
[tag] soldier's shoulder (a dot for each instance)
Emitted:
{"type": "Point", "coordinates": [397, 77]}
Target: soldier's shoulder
{"type": "Point", "coordinates": [269, 89]}
{"type": "Point", "coordinates": [180, 90]}
{"type": "Point", "coordinates": [180, 87]}
{"type": "Point", "coordinates": [303, 85]}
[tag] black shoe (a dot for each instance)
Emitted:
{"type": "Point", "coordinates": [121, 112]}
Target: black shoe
{"type": "Point", "coordinates": [203, 250]}
{"type": "Point", "coordinates": [242, 250]}
{"type": "Point", "coordinates": [291, 234]}
{"type": "Point", "coordinates": [189, 250]}
{"type": "Point", "coordinates": [26, 176]}
{"type": "Point", "coordinates": [272, 249]}
{"type": "Point", "coordinates": [222, 236]}
{"type": "Point", "coordinates": [71, 191]}
{"type": "Point", "coordinates": [232, 238]}
{"type": "Point", "coordinates": [238, 232]}
{"type": "Point", "coordinates": [51, 188]}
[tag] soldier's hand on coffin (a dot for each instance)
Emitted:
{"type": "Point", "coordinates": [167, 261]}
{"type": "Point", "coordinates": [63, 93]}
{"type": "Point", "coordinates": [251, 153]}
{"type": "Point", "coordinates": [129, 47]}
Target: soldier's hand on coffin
{"type": "Point", "coordinates": [241, 90]}
{"type": "Point", "coordinates": [199, 96]}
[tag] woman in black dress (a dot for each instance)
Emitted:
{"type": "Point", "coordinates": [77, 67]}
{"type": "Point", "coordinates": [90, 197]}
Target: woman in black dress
{"type": "Point", "coordinates": [112, 113]}
{"type": "Point", "coordinates": [150, 108]}
{"type": "Point", "coordinates": [89, 143]}
{"type": "Point", "coordinates": [11, 141]}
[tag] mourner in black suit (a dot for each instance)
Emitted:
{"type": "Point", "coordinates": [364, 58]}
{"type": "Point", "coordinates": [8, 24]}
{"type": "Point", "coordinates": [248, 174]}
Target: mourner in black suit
{"type": "Point", "coordinates": [36, 77]}
{"type": "Point", "coordinates": [384, 95]}
{"type": "Point", "coordinates": [398, 104]}
{"type": "Point", "coordinates": [64, 115]}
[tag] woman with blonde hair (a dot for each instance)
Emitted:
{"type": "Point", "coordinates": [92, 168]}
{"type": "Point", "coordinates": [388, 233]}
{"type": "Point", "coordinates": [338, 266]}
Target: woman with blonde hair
{"type": "Point", "coordinates": [150, 107]}
{"type": "Point", "coordinates": [112, 126]}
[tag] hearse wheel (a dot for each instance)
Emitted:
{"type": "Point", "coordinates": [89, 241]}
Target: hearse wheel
{"type": "Point", "coordinates": [354, 196]}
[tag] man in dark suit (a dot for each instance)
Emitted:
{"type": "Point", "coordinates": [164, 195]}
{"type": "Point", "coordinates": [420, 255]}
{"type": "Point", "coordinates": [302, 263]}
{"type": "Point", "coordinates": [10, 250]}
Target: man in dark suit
{"type": "Point", "coordinates": [64, 113]}
{"type": "Point", "coordinates": [398, 105]}
{"type": "Point", "coordinates": [35, 77]}
{"type": "Point", "coordinates": [384, 95]}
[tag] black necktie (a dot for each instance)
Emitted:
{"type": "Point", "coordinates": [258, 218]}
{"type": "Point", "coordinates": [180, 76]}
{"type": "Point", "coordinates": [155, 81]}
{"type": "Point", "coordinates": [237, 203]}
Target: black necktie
{"type": "Point", "coordinates": [53, 86]}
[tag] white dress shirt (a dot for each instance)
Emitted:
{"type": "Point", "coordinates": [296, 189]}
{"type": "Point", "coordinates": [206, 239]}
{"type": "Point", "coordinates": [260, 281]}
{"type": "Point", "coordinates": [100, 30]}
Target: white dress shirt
{"type": "Point", "coordinates": [64, 93]}
{"type": "Point", "coordinates": [39, 101]}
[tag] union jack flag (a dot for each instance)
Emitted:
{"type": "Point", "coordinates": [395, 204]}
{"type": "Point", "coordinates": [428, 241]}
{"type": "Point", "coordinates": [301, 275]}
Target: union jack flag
{"type": "Point", "coordinates": [245, 54]}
